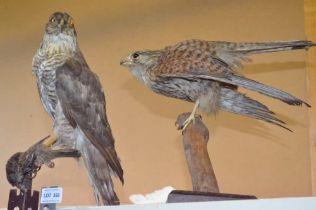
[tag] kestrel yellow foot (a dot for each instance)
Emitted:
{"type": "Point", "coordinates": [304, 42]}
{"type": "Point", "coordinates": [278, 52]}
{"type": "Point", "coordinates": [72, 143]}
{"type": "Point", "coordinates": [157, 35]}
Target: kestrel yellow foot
{"type": "Point", "coordinates": [191, 118]}
{"type": "Point", "coordinates": [187, 122]}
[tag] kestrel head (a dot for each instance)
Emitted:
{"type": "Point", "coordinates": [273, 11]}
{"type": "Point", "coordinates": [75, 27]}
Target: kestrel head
{"type": "Point", "coordinates": [60, 23]}
{"type": "Point", "coordinates": [141, 59]}
{"type": "Point", "coordinates": [140, 62]}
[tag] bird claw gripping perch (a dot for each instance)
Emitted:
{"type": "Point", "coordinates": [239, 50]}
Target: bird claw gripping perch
{"type": "Point", "coordinates": [22, 167]}
{"type": "Point", "coordinates": [191, 118]}
{"type": "Point", "coordinates": [187, 122]}
{"type": "Point", "coordinates": [183, 118]}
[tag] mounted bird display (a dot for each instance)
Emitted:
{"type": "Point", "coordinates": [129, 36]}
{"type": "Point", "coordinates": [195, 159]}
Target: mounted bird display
{"type": "Point", "coordinates": [206, 73]}
{"type": "Point", "coordinates": [73, 97]}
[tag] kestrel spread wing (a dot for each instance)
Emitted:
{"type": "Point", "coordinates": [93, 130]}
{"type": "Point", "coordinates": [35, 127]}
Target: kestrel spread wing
{"type": "Point", "coordinates": [218, 61]}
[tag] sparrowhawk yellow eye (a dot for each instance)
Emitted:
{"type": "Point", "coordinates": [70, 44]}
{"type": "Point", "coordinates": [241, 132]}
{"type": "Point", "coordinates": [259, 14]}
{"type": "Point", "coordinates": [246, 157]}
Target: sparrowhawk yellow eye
{"type": "Point", "coordinates": [71, 22]}
{"type": "Point", "coordinates": [53, 20]}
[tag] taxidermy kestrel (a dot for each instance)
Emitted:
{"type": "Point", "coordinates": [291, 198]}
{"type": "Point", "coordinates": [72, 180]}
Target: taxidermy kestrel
{"type": "Point", "coordinates": [72, 95]}
{"type": "Point", "coordinates": [205, 72]}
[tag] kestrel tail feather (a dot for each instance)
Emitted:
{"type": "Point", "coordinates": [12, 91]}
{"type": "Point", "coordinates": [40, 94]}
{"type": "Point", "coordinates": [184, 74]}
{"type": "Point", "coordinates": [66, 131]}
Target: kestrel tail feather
{"type": "Point", "coordinates": [266, 90]}
{"type": "Point", "coordinates": [238, 103]}
{"type": "Point", "coordinates": [265, 47]}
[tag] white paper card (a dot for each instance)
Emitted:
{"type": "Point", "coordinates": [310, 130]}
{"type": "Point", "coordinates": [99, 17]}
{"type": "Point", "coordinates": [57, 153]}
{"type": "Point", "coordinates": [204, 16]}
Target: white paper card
{"type": "Point", "coordinates": [52, 195]}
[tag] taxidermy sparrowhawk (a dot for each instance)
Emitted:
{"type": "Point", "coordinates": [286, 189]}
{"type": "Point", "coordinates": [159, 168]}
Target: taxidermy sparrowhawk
{"type": "Point", "coordinates": [72, 95]}
{"type": "Point", "coordinates": [205, 72]}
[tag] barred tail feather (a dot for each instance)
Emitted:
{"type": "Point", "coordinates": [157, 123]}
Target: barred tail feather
{"type": "Point", "coordinates": [99, 173]}
{"type": "Point", "coordinates": [266, 90]}
{"type": "Point", "coordinates": [265, 47]}
{"type": "Point", "coordinates": [238, 103]}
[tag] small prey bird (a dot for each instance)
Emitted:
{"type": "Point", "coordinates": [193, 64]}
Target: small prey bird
{"type": "Point", "coordinates": [205, 72]}
{"type": "Point", "coordinates": [22, 167]}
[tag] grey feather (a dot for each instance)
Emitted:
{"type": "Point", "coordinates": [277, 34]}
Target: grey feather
{"type": "Point", "coordinates": [234, 54]}
{"type": "Point", "coordinates": [244, 82]}
{"type": "Point", "coordinates": [260, 47]}
{"type": "Point", "coordinates": [82, 99]}
{"type": "Point", "coordinates": [80, 94]}
{"type": "Point", "coordinates": [98, 170]}
{"type": "Point", "coordinates": [238, 103]}
{"type": "Point", "coordinates": [265, 89]}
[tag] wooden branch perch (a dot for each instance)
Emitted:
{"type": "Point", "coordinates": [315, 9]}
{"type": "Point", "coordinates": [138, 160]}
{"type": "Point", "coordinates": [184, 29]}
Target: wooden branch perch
{"type": "Point", "coordinates": [195, 138]}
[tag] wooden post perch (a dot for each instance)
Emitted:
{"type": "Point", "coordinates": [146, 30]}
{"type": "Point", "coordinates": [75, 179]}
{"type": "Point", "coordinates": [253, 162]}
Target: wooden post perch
{"type": "Point", "coordinates": [195, 138]}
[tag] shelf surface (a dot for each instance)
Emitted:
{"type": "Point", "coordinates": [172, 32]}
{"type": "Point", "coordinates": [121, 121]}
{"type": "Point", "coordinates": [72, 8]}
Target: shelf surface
{"type": "Point", "coordinates": [306, 203]}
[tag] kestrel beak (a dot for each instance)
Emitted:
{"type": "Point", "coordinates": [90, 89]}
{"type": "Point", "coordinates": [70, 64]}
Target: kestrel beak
{"type": "Point", "coordinates": [125, 62]}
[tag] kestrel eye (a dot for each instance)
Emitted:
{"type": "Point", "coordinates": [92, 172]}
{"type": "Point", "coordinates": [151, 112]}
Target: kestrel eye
{"type": "Point", "coordinates": [53, 20]}
{"type": "Point", "coordinates": [135, 55]}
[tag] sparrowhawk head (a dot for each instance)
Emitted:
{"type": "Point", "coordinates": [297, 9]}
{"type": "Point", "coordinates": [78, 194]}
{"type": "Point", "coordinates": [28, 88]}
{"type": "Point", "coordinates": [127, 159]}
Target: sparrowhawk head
{"type": "Point", "coordinates": [60, 34]}
{"type": "Point", "coordinates": [60, 23]}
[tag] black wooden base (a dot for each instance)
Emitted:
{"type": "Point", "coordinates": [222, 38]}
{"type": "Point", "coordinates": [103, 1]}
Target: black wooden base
{"type": "Point", "coordinates": [177, 196]}
{"type": "Point", "coordinates": [23, 200]}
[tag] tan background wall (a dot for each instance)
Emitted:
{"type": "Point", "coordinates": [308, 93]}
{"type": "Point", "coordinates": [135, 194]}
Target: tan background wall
{"type": "Point", "coordinates": [249, 157]}
{"type": "Point", "coordinates": [310, 30]}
